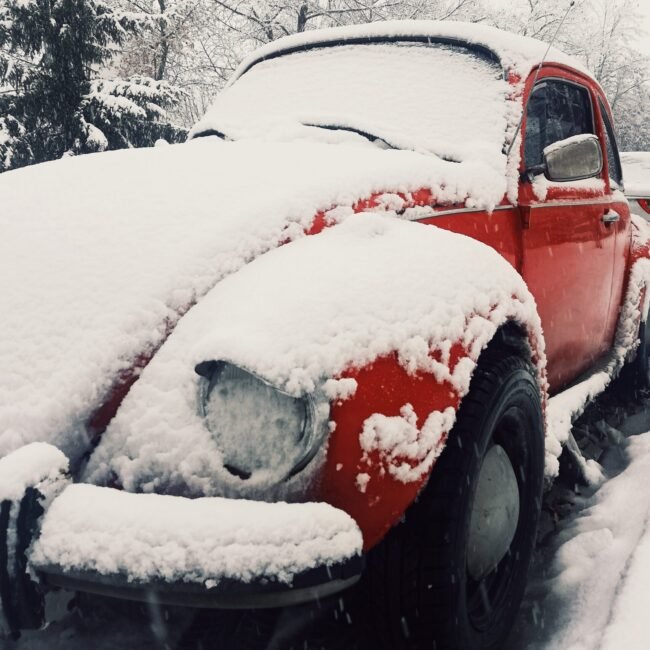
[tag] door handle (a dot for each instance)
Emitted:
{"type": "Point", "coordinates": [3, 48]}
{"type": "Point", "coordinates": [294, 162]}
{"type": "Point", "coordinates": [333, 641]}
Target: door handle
{"type": "Point", "coordinates": [611, 216]}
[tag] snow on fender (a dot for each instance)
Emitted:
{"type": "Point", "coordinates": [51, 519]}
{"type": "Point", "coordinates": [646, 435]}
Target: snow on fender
{"type": "Point", "coordinates": [374, 299]}
{"type": "Point", "coordinates": [30, 478]}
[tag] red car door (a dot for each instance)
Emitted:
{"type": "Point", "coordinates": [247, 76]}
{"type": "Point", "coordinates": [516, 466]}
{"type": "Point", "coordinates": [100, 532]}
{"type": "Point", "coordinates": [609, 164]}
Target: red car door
{"type": "Point", "coordinates": [568, 244]}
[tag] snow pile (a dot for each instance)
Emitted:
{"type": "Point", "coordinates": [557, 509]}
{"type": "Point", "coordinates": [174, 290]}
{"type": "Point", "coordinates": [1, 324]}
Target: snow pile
{"type": "Point", "coordinates": [304, 313]}
{"type": "Point", "coordinates": [101, 254]}
{"type": "Point", "coordinates": [636, 173]}
{"type": "Point", "coordinates": [35, 465]}
{"type": "Point", "coordinates": [406, 452]}
{"type": "Point", "coordinates": [147, 537]}
{"type": "Point", "coordinates": [566, 406]}
{"type": "Point", "coordinates": [465, 96]}
{"type": "Point", "coordinates": [602, 569]}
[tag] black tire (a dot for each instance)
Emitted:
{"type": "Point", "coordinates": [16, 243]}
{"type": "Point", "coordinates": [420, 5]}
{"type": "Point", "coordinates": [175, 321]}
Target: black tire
{"type": "Point", "coordinates": [423, 594]}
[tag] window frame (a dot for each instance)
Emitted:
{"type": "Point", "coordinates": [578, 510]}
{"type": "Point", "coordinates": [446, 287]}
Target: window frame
{"type": "Point", "coordinates": [571, 82]}
{"type": "Point", "coordinates": [610, 135]}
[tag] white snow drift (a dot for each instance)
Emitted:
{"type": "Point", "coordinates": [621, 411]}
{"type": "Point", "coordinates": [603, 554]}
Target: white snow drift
{"type": "Point", "coordinates": [601, 570]}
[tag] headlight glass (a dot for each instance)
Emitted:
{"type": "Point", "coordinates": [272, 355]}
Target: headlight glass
{"type": "Point", "coordinates": [257, 428]}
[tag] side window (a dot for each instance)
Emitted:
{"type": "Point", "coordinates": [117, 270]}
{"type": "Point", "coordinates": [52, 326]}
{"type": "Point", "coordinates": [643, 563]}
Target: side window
{"type": "Point", "coordinates": [613, 160]}
{"type": "Point", "coordinates": [556, 110]}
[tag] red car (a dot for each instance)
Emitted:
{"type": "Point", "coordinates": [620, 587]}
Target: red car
{"type": "Point", "coordinates": [336, 335]}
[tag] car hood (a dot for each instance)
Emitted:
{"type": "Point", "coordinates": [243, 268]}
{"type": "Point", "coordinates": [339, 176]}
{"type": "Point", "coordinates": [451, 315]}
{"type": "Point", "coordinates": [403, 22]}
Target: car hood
{"type": "Point", "coordinates": [301, 317]}
{"type": "Point", "coordinates": [100, 255]}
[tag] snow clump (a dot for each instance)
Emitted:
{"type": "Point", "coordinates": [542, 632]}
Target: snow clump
{"type": "Point", "coordinates": [404, 450]}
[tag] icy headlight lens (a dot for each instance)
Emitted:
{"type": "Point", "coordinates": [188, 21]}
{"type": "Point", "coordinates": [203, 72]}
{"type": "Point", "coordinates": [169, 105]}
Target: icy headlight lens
{"type": "Point", "coordinates": [255, 426]}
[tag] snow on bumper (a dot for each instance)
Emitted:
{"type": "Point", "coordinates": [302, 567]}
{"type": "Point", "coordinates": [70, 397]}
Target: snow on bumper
{"type": "Point", "coordinates": [209, 551]}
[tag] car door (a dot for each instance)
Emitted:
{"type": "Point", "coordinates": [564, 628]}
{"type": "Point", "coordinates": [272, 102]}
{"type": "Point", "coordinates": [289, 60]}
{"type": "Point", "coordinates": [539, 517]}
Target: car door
{"type": "Point", "coordinates": [567, 246]}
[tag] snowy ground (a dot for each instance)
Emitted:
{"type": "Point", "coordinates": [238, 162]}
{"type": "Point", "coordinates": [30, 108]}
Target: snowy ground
{"type": "Point", "coordinates": [588, 588]}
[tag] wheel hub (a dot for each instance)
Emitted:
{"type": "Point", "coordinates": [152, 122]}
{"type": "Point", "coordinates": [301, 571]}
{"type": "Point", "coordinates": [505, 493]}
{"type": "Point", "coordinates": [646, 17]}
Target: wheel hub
{"type": "Point", "coordinates": [495, 514]}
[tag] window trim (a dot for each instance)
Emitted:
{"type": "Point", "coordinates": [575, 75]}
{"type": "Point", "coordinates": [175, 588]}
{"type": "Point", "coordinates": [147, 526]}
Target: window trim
{"type": "Point", "coordinates": [611, 134]}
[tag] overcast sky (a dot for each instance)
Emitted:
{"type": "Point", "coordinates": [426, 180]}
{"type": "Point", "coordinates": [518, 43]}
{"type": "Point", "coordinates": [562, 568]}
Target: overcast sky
{"type": "Point", "coordinates": [643, 7]}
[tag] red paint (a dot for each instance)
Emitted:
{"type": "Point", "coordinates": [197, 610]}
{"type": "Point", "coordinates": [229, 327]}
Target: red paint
{"type": "Point", "coordinates": [383, 387]}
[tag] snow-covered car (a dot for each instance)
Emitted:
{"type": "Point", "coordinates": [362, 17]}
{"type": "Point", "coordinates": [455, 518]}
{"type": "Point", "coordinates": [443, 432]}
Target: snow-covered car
{"type": "Point", "coordinates": [636, 173]}
{"type": "Point", "coordinates": [341, 326]}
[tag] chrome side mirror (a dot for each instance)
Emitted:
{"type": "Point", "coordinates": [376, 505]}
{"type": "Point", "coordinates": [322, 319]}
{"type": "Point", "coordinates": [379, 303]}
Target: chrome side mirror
{"type": "Point", "coordinates": [573, 159]}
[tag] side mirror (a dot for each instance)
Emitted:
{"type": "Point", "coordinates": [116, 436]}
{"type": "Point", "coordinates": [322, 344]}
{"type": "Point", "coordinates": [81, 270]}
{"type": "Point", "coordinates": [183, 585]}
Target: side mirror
{"type": "Point", "coordinates": [573, 159]}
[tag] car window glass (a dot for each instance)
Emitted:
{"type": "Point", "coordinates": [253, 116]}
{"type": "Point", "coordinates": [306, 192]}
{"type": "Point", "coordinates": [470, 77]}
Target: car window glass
{"type": "Point", "coordinates": [556, 110]}
{"type": "Point", "coordinates": [613, 160]}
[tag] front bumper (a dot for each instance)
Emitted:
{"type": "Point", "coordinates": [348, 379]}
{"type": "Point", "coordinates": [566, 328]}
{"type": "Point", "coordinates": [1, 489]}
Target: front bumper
{"type": "Point", "coordinates": [208, 552]}
{"type": "Point", "coordinates": [311, 585]}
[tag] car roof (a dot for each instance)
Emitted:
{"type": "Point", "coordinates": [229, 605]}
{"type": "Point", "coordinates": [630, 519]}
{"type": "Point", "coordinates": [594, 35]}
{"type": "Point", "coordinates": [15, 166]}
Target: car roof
{"type": "Point", "coordinates": [515, 53]}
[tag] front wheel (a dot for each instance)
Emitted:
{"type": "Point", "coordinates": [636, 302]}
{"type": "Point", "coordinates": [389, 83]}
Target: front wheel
{"type": "Point", "coordinates": [453, 574]}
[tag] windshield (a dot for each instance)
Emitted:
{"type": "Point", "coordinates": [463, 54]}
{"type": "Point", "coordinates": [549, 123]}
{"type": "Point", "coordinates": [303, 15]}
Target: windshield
{"type": "Point", "coordinates": [438, 98]}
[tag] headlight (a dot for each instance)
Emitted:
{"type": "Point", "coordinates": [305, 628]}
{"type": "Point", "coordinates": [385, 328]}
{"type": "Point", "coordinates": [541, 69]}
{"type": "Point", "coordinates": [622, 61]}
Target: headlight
{"type": "Point", "coordinates": [258, 428]}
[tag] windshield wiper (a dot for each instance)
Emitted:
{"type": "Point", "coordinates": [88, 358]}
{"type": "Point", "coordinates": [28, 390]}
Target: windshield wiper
{"type": "Point", "coordinates": [207, 132]}
{"type": "Point", "coordinates": [364, 134]}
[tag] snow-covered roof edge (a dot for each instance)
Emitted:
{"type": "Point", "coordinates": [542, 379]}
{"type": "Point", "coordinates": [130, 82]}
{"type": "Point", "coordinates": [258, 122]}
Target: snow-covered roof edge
{"type": "Point", "coordinates": [516, 53]}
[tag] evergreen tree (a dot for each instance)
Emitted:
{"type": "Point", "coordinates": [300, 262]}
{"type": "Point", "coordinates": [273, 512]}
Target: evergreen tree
{"type": "Point", "coordinates": [49, 52]}
{"type": "Point", "coordinates": [129, 112]}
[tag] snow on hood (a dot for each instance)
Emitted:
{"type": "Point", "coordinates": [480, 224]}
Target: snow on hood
{"type": "Point", "coordinates": [304, 313]}
{"type": "Point", "coordinates": [99, 254]}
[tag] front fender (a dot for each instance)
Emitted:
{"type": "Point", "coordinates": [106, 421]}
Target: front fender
{"type": "Point", "coordinates": [376, 479]}
{"type": "Point", "coordinates": [403, 309]}
{"type": "Point", "coordinates": [386, 438]}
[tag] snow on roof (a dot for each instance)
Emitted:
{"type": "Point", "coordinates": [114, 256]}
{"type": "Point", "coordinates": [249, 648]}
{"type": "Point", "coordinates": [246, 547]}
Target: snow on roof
{"type": "Point", "coordinates": [149, 537]}
{"type": "Point", "coordinates": [516, 53]}
{"type": "Point", "coordinates": [99, 253]}
{"type": "Point", "coordinates": [305, 312]}
{"type": "Point", "coordinates": [636, 173]}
